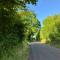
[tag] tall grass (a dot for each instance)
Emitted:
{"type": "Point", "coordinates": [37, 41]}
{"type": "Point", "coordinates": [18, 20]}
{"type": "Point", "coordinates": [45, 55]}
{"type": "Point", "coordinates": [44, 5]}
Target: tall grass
{"type": "Point", "coordinates": [19, 52]}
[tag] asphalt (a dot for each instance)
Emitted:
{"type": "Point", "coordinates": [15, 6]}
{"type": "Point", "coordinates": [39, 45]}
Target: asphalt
{"type": "Point", "coordinates": [43, 52]}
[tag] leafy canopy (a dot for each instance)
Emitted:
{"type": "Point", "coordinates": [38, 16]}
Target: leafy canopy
{"type": "Point", "coordinates": [51, 29]}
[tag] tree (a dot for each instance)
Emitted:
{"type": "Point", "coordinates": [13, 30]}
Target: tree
{"type": "Point", "coordinates": [31, 22]}
{"type": "Point", "coordinates": [10, 22]}
{"type": "Point", "coordinates": [51, 29]}
{"type": "Point", "coordinates": [11, 25]}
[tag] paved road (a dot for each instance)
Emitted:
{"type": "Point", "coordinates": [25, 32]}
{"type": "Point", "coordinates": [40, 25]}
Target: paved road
{"type": "Point", "coordinates": [43, 52]}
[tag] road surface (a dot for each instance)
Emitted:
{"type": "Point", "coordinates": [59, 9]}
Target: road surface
{"type": "Point", "coordinates": [43, 52]}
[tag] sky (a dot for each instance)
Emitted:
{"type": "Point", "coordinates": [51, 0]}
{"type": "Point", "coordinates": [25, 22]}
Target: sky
{"type": "Point", "coordinates": [45, 8]}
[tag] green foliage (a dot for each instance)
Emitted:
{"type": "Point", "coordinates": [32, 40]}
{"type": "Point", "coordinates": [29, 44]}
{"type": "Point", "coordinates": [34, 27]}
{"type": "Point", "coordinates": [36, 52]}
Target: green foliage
{"type": "Point", "coordinates": [38, 36]}
{"type": "Point", "coordinates": [14, 27]}
{"type": "Point", "coordinates": [19, 52]}
{"type": "Point", "coordinates": [15, 3]}
{"type": "Point", "coordinates": [31, 22]}
{"type": "Point", "coordinates": [8, 12]}
{"type": "Point", "coordinates": [10, 22]}
{"type": "Point", "coordinates": [51, 29]}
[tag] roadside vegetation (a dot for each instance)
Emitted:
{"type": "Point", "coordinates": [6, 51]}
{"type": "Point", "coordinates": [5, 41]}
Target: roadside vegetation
{"type": "Point", "coordinates": [50, 31]}
{"type": "Point", "coordinates": [18, 25]}
{"type": "Point", "coordinates": [19, 52]}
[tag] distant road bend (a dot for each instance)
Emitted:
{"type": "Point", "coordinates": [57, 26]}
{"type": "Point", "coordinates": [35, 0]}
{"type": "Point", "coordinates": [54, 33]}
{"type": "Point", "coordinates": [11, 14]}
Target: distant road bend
{"type": "Point", "coordinates": [43, 52]}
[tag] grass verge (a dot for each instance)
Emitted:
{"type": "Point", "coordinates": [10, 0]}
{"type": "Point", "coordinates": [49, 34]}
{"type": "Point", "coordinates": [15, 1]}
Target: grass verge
{"type": "Point", "coordinates": [19, 52]}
